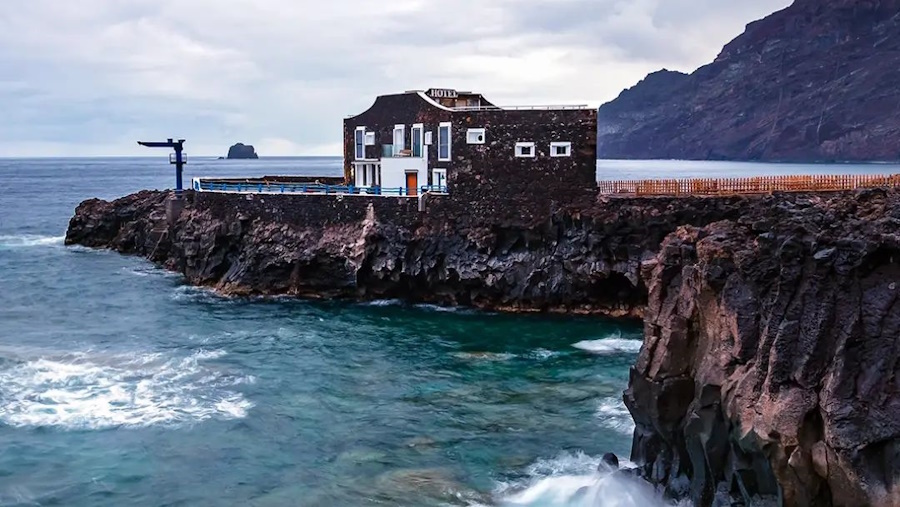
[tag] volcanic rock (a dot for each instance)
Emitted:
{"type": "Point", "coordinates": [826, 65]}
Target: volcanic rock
{"type": "Point", "coordinates": [816, 81]}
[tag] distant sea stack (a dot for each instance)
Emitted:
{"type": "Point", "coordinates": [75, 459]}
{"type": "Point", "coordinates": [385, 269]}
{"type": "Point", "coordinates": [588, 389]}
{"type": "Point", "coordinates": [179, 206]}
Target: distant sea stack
{"type": "Point", "coordinates": [242, 151]}
{"type": "Point", "coordinates": [813, 82]}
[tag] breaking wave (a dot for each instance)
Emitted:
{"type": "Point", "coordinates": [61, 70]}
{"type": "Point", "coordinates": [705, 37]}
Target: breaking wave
{"type": "Point", "coordinates": [613, 414]}
{"type": "Point", "coordinates": [30, 240]}
{"type": "Point", "coordinates": [612, 345]}
{"type": "Point", "coordinates": [576, 480]}
{"type": "Point", "coordinates": [90, 390]}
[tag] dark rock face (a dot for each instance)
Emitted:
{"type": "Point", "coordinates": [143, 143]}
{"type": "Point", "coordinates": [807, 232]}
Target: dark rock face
{"type": "Point", "coordinates": [813, 82]}
{"type": "Point", "coordinates": [769, 371]}
{"type": "Point", "coordinates": [768, 374]}
{"type": "Point", "coordinates": [242, 151]}
{"type": "Point", "coordinates": [578, 260]}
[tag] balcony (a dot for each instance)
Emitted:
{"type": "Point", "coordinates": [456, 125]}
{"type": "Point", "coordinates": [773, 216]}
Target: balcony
{"type": "Point", "coordinates": [387, 151]}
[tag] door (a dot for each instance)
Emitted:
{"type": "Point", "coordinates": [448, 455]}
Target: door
{"type": "Point", "coordinates": [412, 183]}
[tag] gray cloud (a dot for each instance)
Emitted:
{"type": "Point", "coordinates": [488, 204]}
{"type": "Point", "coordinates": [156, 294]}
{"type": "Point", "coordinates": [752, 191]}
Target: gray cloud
{"type": "Point", "coordinates": [89, 77]}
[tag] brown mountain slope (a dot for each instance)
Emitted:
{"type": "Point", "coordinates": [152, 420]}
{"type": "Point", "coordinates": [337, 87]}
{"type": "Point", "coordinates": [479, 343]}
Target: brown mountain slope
{"type": "Point", "coordinates": [817, 81]}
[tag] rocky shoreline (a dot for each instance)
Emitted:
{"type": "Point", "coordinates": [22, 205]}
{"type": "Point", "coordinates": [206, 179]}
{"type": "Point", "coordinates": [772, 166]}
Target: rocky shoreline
{"type": "Point", "coordinates": [768, 372]}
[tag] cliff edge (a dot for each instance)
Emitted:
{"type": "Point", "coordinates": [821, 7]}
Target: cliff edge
{"type": "Point", "coordinates": [769, 371]}
{"type": "Point", "coordinates": [813, 82]}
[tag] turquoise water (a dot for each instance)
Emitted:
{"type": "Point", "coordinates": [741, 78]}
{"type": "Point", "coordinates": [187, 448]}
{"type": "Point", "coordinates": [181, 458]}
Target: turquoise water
{"type": "Point", "coordinates": [119, 385]}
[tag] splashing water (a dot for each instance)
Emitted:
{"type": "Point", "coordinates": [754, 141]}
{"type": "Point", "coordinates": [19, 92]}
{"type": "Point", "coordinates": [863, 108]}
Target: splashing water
{"type": "Point", "coordinates": [29, 240]}
{"type": "Point", "coordinates": [92, 390]}
{"type": "Point", "coordinates": [577, 480]}
{"type": "Point", "coordinates": [614, 344]}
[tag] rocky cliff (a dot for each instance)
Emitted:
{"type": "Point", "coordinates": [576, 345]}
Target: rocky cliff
{"type": "Point", "coordinates": [769, 368]}
{"type": "Point", "coordinates": [769, 372]}
{"type": "Point", "coordinates": [584, 260]}
{"type": "Point", "coordinates": [814, 82]}
{"type": "Point", "coordinates": [242, 151]}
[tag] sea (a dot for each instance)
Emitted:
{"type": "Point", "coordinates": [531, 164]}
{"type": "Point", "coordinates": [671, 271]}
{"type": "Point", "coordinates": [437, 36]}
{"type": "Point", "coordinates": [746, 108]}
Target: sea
{"type": "Point", "coordinates": [121, 385]}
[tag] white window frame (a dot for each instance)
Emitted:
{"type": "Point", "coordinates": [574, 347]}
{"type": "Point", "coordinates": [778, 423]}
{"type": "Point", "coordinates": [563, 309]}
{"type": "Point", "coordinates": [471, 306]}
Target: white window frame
{"type": "Point", "coordinates": [566, 145]}
{"type": "Point", "coordinates": [402, 130]}
{"type": "Point", "coordinates": [359, 133]}
{"type": "Point", "coordinates": [370, 139]}
{"type": "Point", "coordinates": [429, 138]}
{"type": "Point", "coordinates": [521, 154]}
{"type": "Point", "coordinates": [435, 172]}
{"type": "Point", "coordinates": [412, 139]}
{"type": "Point", "coordinates": [478, 134]}
{"type": "Point", "coordinates": [449, 127]}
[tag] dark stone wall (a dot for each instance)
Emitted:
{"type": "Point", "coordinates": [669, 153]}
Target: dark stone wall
{"type": "Point", "coordinates": [387, 111]}
{"type": "Point", "coordinates": [490, 180]}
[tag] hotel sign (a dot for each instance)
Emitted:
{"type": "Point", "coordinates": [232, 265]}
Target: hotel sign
{"type": "Point", "coordinates": [441, 93]}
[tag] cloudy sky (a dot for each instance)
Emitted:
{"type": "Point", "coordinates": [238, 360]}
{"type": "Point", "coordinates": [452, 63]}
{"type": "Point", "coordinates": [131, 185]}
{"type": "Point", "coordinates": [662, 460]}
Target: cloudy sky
{"type": "Point", "coordinates": [89, 77]}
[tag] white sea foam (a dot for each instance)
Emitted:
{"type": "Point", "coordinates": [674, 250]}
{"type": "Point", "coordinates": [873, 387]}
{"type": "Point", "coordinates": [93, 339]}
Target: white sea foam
{"type": "Point", "coordinates": [614, 344]}
{"type": "Point", "coordinates": [30, 240]}
{"type": "Point", "coordinates": [613, 414]}
{"type": "Point", "coordinates": [93, 390]}
{"type": "Point", "coordinates": [190, 293]}
{"type": "Point", "coordinates": [384, 302]}
{"type": "Point", "coordinates": [438, 308]}
{"type": "Point", "coordinates": [542, 354]}
{"type": "Point", "coordinates": [484, 356]}
{"type": "Point", "coordinates": [144, 271]}
{"type": "Point", "coordinates": [573, 480]}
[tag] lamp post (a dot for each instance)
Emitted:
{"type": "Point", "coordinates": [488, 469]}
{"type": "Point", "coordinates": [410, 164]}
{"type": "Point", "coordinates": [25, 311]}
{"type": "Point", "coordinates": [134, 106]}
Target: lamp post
{"type": "Point", "coordinates": [176, 205]}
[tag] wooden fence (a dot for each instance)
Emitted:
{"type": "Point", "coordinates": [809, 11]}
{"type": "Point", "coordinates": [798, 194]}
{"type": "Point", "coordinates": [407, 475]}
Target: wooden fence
{"type": "Point", "coordinates": [754, 185]}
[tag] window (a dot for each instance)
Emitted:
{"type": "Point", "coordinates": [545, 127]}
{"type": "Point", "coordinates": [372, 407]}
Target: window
{"type": "Point", "coordinates": [399, 139]}
{"type": "Point", "coordinates": [359, 141]}
{"type": "Point", "coordinates": [439, 180]}
{"type": "Point", "coordinates": [428, 138]}
{"type": "Point", "coordinates": [525, 150]}
{"type": "Point", "coordinates": [560, 149]}
{"type": "Point", "coordinates": [370, 138]}
{"type": "Point", "coordinates": [444, 142]}
{"type": "Point", "coordinates": [475, 136]}
{"type": "Point", "coordinates": [418, 140]}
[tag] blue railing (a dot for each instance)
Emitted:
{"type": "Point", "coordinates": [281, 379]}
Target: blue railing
{"type": "Point", "coordinates": [312, 188]}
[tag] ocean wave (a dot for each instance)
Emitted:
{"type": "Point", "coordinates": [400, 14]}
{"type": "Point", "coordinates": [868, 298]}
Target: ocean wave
{"type": "Point", "coordinates": [191, 293]}
{"type": "Point", "coordinates": [610, 345]}
{"type": "Point", "coordinates": [573, 480]}
{"type": "Point", "coordinates": [613, 414]}
{"type": "Point", "coordinates": [91, 390]}
{"type": "Point", "coordinates": [144, 271]}
{"type": "Point", "coordinates": [383, 302]}
{"type": "Point", "coordinates": [30, 240]}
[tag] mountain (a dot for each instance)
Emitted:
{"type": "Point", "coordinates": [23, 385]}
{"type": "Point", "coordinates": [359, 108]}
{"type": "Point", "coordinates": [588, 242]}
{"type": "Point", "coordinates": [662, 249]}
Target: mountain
{"type": "Point", "coordinates": [817, 81]}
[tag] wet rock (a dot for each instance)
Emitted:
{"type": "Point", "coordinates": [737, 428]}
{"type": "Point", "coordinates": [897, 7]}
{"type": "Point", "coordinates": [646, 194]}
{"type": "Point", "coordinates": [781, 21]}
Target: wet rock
{"type": "Point", "coordinates": [609, 461]}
